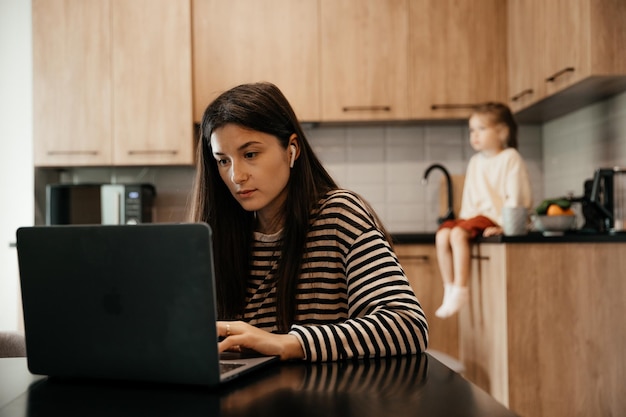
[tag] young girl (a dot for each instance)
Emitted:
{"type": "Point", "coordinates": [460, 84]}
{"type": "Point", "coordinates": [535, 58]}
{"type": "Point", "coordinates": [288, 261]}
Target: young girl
{"type": "Point", "coordinates": [304, 269]}
{"type": "Point", "coordinates": [496, 177]}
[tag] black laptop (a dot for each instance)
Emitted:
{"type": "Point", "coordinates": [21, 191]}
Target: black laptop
{"type": "Point", "coordinates": [127, 302]}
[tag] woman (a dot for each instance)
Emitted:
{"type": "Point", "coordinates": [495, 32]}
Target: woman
{"type": "Point", "coordinates": [304, 269]}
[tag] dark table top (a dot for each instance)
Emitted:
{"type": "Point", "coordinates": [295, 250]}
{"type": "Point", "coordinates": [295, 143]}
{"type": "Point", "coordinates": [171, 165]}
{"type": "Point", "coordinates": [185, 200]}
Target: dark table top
{"type": "Point", "coordinates": [403, 386]}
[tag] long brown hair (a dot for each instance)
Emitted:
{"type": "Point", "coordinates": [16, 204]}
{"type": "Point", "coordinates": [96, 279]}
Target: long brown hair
{"type": "Point", "coordinates": [261, 107]}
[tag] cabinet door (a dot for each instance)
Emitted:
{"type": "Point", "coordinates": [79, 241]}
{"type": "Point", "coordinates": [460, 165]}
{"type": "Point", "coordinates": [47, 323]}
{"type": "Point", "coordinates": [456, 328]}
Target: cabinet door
{"type": "Point", "coordinates": [152, 108]}
{"type": "Point", "coordinates": [364, 59]}
{"type": "Point", "coordinates": [483, 322]}
{"type": "Point", "coordinates": [457, 56]}
{"type": "Point", "coordinates": [567, 29]}
{"type": "Point", "coordinates": [71, 82]}
{"type": "Point", "coordinates": [241, 41]}
{"type": "Point", "coordinates": [526, 52]}
{"type": "Point", "coordinates": [420, 266]}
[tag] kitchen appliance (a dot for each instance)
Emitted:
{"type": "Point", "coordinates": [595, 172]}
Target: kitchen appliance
{"type": "Point", "coordinates": [604, 200]}
{"type": "Point", "coordinates": [99, 203]}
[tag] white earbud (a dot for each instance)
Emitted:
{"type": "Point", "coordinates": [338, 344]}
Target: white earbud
{"type": "Point", "coordinates": [293, 156]}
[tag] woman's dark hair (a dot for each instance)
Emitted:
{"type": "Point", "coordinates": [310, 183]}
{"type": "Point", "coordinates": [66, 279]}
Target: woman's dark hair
{"type": "Point", "coordinates": [500, 113]}
{"type": "Point", "coordinates": [261, 107]}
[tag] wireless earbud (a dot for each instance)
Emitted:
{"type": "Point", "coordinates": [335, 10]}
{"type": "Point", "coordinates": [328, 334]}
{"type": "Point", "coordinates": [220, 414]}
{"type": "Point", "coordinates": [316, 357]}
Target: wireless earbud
{"type": "Point", "coordinates": [293, 156]}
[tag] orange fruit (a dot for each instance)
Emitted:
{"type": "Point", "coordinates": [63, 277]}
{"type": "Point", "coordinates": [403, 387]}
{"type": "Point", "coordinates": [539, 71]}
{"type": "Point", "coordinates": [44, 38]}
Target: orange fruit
{"type": "Point", "coordinates": [556, 210]}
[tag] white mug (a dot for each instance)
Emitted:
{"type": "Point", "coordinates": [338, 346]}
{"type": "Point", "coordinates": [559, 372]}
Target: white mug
{"type": "Point", "coordinates": [515, 221]}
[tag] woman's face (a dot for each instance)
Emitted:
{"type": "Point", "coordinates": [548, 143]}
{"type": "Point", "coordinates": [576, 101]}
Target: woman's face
{"type": "Point", "coordinates": [254, 166]}
{"type": "Point", "coordinates": [485, 135]}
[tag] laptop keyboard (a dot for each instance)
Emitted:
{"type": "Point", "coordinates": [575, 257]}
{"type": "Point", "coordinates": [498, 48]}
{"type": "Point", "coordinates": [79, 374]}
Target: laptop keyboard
{"type": "Point", "coordinates": [229, 366]}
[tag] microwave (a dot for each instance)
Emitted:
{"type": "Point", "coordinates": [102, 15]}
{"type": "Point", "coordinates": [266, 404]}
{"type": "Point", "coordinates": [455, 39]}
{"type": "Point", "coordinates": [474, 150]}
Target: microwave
{"type": "Point", "coordinates": [99, 203]}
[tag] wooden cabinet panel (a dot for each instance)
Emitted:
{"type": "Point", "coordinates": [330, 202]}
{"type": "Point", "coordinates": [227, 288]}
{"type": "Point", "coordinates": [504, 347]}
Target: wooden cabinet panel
{"type": "Point", "coordinates": [364, 60]}
{"type": "Point", "coordinates": [457, 56]}
{"type": "Point", "coordinates": [112, 82]}
{"type": "Point", "coordinates": [152, 105]}
{"type": "Point", "coordinates": [483, 323]}
{"type": "Point", "coordinates": [543, 332]}
{"type": "Point", "coordinates": [71, 82]}
{"type": "Point", "coordinates": [567, 28]}
{"type": "Point", "coordinates": [243, 41]}
{"type": "Point", "coordinates": [420, 266]}
{"type": "Point", "coordinates": [526, 52]}
{"type": "Point", "coordinates": [568, 52]}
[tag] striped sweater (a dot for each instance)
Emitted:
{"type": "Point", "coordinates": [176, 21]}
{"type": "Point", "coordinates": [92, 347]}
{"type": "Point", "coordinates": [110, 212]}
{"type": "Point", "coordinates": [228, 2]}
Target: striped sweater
{"type": "Point", "coordinates": [353, 297]}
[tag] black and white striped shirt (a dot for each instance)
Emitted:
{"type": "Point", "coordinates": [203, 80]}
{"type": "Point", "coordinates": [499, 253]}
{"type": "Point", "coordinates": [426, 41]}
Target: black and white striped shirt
{"type": "Point", "coordinates": [354, 299]}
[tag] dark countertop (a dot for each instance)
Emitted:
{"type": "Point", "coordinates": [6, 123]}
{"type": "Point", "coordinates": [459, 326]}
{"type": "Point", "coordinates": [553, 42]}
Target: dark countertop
{"type": "Point", "coordinates": [574, 236]}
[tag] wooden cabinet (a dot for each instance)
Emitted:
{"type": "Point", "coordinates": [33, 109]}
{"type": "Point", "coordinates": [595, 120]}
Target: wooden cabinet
{"type": "Point", "coordinates": [72, 82]}
{"type": "Point", "coordinates": [457, 56]}
{"type": "Point", "coordinates": [526, 52]}
{"type": "Point", "coordinates": [419, 262]}
{"type": "Point", "coordinates": [483, 324]}
{"type": "Point", "coordinates": [568, 50]}
{"type": "Point", "coordinates": [112, 82]}
{"type": "Point", "coordinates": [363, 61]}
{"type": "Point", "coordinates": [543, 332]}
{"type": "Point", "coordinates": [242, 41]}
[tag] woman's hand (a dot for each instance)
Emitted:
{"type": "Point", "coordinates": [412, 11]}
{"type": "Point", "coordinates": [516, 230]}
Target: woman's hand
{"type": "Point", "coordinates": [492, 231]}
{"type": "Point", "coordinates": [238, 335]}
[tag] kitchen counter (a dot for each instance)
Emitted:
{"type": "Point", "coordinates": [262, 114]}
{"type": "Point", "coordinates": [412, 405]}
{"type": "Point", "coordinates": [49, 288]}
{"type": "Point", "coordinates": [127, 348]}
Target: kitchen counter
{"type": "Point", "coordinates": [532, 237]}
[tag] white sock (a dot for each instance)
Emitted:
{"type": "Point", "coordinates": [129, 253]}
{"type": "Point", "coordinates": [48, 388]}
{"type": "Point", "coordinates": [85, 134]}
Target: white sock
{"type": "Point", "coordinates": [457, 297]}
{"type": "Point", "coordinates": [447, 288]}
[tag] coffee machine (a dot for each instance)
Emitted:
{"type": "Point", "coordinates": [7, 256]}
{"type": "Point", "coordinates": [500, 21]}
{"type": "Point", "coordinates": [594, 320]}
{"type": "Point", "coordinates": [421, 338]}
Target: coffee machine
{"type": "Point", "coordinates": [604, 201]}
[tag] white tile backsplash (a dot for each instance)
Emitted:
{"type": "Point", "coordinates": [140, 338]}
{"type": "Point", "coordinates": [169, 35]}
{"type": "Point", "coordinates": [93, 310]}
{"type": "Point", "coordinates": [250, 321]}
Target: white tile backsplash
{"type": "Point", "coordinates": [578, 143]}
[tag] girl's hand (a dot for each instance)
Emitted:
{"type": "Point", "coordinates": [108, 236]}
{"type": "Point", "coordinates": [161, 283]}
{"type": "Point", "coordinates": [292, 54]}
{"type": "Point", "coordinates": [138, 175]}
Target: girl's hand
{"type": "Point", "coordinates": [238, 335]}
{"type": "Point", "coordinates": [492, 231]}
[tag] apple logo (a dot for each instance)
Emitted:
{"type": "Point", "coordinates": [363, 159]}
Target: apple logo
{"type": "Point", "coordinates": [112, 302]}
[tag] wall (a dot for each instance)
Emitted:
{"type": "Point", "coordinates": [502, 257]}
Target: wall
{"type": "Point", "coordinates": [16, 173]}
{"type": "Point", "coordinates": [578, 143]}
{"type": "Point", "coordinates": [383, 163]}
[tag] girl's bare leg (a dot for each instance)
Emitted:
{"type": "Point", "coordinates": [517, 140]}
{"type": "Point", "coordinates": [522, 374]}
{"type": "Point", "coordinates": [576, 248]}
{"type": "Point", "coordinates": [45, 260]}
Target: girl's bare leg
{"type": "Point", "coordinates": [458, 293]}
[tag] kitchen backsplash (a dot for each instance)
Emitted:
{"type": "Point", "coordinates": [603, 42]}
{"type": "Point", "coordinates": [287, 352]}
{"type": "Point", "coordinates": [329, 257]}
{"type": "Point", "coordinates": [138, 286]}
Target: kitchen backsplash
{"type": "Point", "coordinates": [385, 164]}
{"type": "Point", "coordinates": [578, 143]}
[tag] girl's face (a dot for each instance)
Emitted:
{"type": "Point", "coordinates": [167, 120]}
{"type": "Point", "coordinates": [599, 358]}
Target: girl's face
{"type": "Point", "coordinates": [254, 166]}
{"type": "Point", "coordinates": [485, 135]}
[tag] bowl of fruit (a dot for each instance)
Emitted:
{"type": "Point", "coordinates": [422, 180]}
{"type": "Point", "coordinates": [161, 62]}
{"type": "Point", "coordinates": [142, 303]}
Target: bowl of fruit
{"type": "Point", "coordinates": [554, 216]}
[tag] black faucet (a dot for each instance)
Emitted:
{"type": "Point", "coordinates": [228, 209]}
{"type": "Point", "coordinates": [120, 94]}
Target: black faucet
{"type": "Point", "coordinates": [450, 214]}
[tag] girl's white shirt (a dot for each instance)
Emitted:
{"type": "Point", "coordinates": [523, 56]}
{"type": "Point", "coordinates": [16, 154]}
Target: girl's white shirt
{"type": "Point", "coordinates": [493, 182]}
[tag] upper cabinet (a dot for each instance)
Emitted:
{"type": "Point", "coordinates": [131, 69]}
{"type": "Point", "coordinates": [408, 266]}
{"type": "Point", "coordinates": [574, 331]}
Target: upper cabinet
{"type": "Point", "coordinates": [72, 81]}
{"type": "Point", "coordinates": [457, 56]}
{"type": "Point", "coordinates": [112, 82]}
{"type": "Point", "coordinates": [564, 54]}
{"type": "Point", "coordinates": [241, 41]}
{"type": "Point", "coordinates": [526, 52]}
{"type": "Point", "coordinates": [364, 52]}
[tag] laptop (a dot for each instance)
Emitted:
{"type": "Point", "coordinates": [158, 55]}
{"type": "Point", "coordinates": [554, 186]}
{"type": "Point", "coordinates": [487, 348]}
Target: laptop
{"type": "Point", "coordinates": [127, 302]}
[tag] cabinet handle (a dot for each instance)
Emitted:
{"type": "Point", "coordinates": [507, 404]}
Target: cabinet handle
{"type": "Point", "coordinates": [366, 108]}
{"type": "Point", "coordinates": [522, 94]}
{"type": "Point", "coordinates": [52, 153]}
{"type": "Point", "coordinates": [153, 152]}
{"type": "Point", "coordinates": [559, 73]}
{"type": "Point", "coordinates": [480, 258]}
{"type": "Point", "coordinates": [453, 106]}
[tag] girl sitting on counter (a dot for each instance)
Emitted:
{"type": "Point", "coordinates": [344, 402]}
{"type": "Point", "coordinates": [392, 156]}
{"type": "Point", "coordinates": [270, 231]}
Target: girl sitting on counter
{"type": "Point", "coordinates": [496, 177]}
{"type": "Point", "coordinates": [304, 269]}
